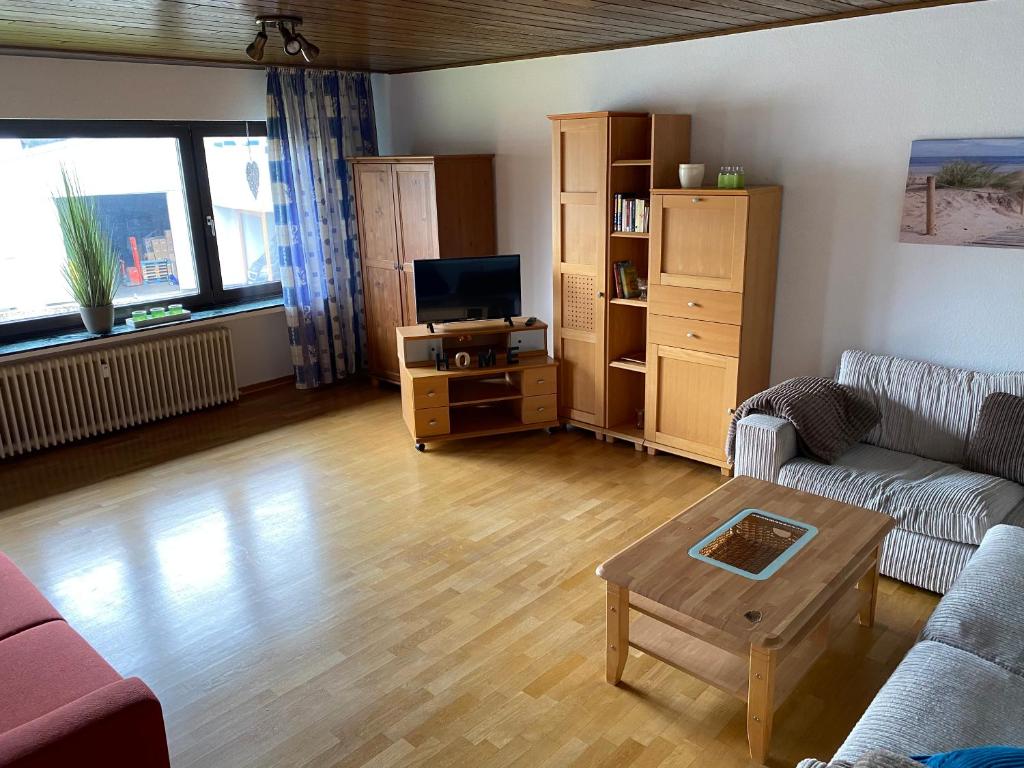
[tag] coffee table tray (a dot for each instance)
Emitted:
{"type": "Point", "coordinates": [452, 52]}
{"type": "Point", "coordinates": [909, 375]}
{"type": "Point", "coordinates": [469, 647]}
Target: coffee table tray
{"type": "Point", "coordinates": [754, 543]}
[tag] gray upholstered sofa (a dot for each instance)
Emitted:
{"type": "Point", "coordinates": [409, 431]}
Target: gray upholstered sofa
{"type": "Point", "coordinates": [962, 685]}
{"type": "Point", "coordinates": [907, 466]}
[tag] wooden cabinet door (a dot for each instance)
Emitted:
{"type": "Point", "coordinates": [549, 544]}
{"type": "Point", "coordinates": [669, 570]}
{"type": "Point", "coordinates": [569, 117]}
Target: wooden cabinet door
{"type": "Point", "coordinates": [580, 237]}
{"type": "Point", "coordinates": [698, 241]}
{"type": "Point", "coordinates": [417, 225]}
{"type": "Point", "coordinates": [417, 211]}
{"type": "Point", "coordinates": [689, 399]}
{"type": "Point", "coordinates": [382, 292]}
{"type": "Point", "coordinates": [382, 281]}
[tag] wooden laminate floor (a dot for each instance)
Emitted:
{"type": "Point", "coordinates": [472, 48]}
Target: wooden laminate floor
{"type": "Point", "coordinates": [302, 588]}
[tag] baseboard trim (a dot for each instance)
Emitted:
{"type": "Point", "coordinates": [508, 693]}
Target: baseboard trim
{"type": "Point", "coordinates": [261, 386]}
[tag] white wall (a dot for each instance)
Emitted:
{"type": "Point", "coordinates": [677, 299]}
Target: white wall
{"type": "Point", "coordinates": [829, 111]}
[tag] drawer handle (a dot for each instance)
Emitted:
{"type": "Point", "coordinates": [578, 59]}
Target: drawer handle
{"type": "Point", "coordinates": [540, 381]}
{"type": "Point", "coordinates": [540, 409]}
{"type": "Point", "coordinates": [692, 304]}
{"type": "Point", "coordinates": [431, 393]}
{"type": "Point", "coordinates": [692, 335]}
{"type": "Point", "coordinates": [433, 422]}
{"type": "Point", "coordinates": [696, 200]}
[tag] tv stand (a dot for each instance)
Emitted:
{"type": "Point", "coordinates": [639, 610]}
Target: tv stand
{"type": "Point", "coordinates": [515, 394]}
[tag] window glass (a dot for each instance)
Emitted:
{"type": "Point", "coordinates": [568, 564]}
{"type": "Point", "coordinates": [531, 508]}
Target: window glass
{"type": "Point", "coordinates": [243, 213]}
{"type": "Point", "coordinates": [137, 187]}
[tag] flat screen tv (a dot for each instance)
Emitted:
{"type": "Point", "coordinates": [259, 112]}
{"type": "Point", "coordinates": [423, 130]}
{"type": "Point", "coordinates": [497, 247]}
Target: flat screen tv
{"type": "Point", "coordinates": [449, 290]}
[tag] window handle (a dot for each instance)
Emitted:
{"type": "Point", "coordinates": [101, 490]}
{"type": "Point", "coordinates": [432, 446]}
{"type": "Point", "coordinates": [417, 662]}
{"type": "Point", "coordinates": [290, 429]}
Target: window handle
{"type": "Point", "coordinates": [211, 225]}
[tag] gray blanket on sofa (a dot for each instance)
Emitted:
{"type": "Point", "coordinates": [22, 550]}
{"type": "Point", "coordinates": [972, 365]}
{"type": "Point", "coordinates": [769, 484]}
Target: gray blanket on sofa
{"type": "Point", "coordinates": [829, 418]}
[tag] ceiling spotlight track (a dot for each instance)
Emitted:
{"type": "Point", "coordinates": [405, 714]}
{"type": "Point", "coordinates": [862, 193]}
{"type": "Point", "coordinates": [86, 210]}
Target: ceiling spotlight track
{"type": "Point", "coordinates": [294, 43]}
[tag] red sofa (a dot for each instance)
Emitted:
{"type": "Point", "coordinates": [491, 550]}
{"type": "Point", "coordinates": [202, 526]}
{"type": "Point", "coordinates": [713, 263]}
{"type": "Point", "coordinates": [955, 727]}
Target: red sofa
{"type": "Point", "coordinates": [61, 704]}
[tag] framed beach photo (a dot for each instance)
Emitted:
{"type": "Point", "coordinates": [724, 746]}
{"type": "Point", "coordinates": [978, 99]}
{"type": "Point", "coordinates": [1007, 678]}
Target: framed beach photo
{"type": "Point", "coordinates": [965, 192]}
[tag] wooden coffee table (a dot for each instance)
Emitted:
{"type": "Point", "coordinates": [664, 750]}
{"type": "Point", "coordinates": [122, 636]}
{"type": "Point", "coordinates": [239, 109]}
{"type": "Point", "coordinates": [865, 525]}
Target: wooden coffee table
{"type": "Point", "coordinates": [754, 639]}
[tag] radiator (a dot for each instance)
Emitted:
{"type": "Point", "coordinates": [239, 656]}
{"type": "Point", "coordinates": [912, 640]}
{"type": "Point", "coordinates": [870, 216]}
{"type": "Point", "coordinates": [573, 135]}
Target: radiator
{"type": "Point", "coordinates": [71, 396]}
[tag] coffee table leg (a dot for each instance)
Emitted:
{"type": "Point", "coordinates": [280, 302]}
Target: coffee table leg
{"type": "Point", "coordinates": [869, 583]}
{"type": "Point", "coordinates": [617, 637]}
{"type": "Point", "coordinates": [760, 702]}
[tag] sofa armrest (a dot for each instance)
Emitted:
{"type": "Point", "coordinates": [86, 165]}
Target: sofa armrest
{"type": "Point", "coordinates": [120, 725]}
{"type": "Point", "coordinates": [763, 445]}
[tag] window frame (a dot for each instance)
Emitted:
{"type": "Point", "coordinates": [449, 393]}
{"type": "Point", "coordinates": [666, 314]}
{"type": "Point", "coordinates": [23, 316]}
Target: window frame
{"type": "Point", "coordinates": [198, 206]}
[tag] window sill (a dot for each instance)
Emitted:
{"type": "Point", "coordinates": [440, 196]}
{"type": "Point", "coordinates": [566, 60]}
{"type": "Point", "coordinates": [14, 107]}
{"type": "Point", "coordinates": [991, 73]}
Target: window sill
{"type": "Point", "coordinates": [47, 342]}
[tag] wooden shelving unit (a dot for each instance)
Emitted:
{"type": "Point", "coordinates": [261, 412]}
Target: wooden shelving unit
{"type": "Point", "coordinates": [643, 153]}
{"type": "Point", "coordinates": [596, 156]}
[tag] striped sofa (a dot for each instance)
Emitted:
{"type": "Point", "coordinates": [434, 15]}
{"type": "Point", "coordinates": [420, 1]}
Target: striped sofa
{"type": "Point", "coordinates": [962, 684]}
{"type": "Point", "coordinates": [908, 466]}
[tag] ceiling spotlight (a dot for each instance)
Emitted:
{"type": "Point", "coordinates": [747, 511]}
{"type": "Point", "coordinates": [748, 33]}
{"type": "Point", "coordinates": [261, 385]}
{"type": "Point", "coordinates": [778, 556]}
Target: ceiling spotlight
{"type": "Point", "coordinates": [294, 43]}
{"type": "Point", "coordinates": [292, 46]}
{"type": "Point", "coordinates": [307, 49]}
{"type": "Point", "coordinates": [255, 49]}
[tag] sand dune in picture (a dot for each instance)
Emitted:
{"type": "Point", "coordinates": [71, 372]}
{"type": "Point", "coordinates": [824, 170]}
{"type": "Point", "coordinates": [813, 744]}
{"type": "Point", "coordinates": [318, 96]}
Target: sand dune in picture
{"type": "Point", "coordinates": [961, 215]}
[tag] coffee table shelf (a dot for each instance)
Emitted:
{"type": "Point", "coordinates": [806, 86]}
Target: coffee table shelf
{"type": "Point", "coordinates": [699, 659]}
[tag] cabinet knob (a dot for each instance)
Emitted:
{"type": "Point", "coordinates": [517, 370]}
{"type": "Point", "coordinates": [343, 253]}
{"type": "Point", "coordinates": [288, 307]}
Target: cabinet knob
{"type": "Point", "coordinates": [433, 422]}
{"type": "Point", "coordinates": [431, 393]}
{"type": "Point", "coordinates": [691, 335]}
{"type": "Point", "coordinates": [600, 294]}
{"type": "Point", "coordinates": [540, 409]}
{"type": "Point", "coordinates": [696, 200]}
{"type": "Point", "coordinates": [540, 381]}
{"type": "Point", "coordinates": [692, 304]}
{"type": "Point", "coordinates": [397, 265]}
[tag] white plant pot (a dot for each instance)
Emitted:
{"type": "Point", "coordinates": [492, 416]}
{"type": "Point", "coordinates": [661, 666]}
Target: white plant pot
{"type": "Point", "coordinates": [98, 320]}
{"type": "Point", "coordinates": [691, 175]}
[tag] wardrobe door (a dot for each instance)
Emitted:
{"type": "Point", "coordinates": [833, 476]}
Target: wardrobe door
{"type": "Point", "coordinates": [698, 241]}
{"type": "Point", "coordinates": [580, 235]}
{"type": "Point", "coordinates": [382, 286]}
{"type": "Point", "coordinates": [415, 195]}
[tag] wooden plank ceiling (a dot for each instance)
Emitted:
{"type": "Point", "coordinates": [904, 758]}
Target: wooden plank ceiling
{"type": "Point", "coordinates": [397, 35]}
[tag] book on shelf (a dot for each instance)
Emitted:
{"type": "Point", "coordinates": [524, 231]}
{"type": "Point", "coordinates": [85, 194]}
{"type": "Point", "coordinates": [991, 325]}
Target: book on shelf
{"type": "Point", "coordinates": [631, 213]}
{"type": "Point", "coordinates": [627, 280]}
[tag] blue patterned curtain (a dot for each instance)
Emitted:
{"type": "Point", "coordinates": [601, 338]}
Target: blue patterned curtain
{"type": "Point", "coordinates": [315, 119]}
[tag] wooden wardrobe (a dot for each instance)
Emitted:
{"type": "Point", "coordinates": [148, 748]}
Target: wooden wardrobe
{"type": "Point", "coordinates": [410, 208]}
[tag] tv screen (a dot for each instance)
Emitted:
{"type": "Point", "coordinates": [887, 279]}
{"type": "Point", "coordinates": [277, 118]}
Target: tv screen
{"type": "Point", "coordinates": [485, 288]}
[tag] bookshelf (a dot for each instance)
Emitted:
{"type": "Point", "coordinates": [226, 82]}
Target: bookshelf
{"type": "Point", "coordinates": [600, 337]}
{"type": "Point", "coordinates": [644, 152]}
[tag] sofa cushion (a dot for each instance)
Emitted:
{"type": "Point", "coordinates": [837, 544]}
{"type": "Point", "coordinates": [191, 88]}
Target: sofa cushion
{"type": "Point", "coordinates": [928, 410]}
{"type": "Point", "coordinates": [997, 445]}
{"type": "Point", "coordinates": [46, 667]}
{"type": "Point", "coordinates": [924, 496]}
{"type": "Point", "coordinates": [21, 604]}
{"type": "Point", "coordinates": [939, 699]}
{"type": "Point", "coordinates": [983, 612]}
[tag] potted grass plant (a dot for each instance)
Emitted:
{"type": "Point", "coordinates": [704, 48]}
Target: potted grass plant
{"type": "Point", "coordinates": [91, 268]}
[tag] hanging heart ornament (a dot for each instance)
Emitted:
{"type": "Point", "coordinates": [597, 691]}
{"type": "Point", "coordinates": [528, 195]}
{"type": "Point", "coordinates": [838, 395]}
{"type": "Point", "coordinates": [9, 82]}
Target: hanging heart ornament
{"type": "Point", "coordinates": [252, 175]}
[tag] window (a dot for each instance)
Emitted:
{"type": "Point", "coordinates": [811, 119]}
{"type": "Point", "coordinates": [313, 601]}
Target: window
{"type": "Point", "coordinates": [186, 205]}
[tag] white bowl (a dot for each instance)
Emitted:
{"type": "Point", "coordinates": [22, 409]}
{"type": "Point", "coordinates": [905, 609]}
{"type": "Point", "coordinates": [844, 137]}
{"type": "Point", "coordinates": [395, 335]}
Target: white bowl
{"type": "Point", "coordinates": [691, 175]}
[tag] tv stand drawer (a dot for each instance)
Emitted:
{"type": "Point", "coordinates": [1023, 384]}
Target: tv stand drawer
{"type": "Point", "coordinates": [534, 410]}
{"type": "Point", "coordinates": [539, 381]}
{"type": "Point", "coordinates": [430, 392]}
{"type": "Point", "coordinates": [432, 421]}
